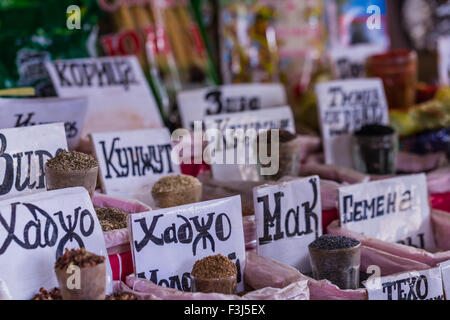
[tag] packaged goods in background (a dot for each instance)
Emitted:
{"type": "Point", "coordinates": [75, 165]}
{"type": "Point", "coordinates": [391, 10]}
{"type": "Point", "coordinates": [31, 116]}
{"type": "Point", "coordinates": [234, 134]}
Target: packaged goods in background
{"type": "Point", "coordinates": [168, 43]}
{"type": "Point", "coordinates": [351, 22]}
{"type": "Point", "coordinates": [300, 35]}
{"type": "Point", "coordinates": [249, 51]}
{"type": "Point", "coordinates": [33, 32]}
{"type": "Point", "coordinates": [431, 115]}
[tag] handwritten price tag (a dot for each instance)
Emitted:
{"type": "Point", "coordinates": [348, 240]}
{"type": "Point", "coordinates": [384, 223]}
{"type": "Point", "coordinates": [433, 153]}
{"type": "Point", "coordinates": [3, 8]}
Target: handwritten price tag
{"type": "Point", "coordinates": [35, 231]}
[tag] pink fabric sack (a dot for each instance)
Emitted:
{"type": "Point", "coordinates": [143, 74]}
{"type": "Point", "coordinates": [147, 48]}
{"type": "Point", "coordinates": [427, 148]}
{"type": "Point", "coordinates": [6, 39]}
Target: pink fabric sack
{"type": "Point", "coordinates": [269, 280]}
{"type": "Point", "coordinates": [117, 241]}
{"type": "Point", "coordinates": [441, 229]}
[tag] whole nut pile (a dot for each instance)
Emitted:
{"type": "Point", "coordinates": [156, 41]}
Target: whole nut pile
{"type": "Point", "coordinates": [121, 296]}
{"type": "Point", "coordinates": [111, 218]}
{"type": "Point", "coordinates": [79, 257]}
{"type": "Point", "coordinates": [43, 294]}
{"type": "Point", "coordinates": [72, 160]}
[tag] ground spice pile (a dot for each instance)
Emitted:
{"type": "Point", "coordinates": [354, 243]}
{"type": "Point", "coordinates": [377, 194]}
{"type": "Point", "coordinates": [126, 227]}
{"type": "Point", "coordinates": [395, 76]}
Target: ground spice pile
{"type": "Point", "coordinates": [72, 160]}
{"type": "Point", "coordinates": [333, 242]}
{"type": "Point", "coordinates": [79, 257]}
{"type": "Point", "coordinates": [111, 218]}
{"type": "Point", "coordinates": [43, 294]}
{"type": "Point", "coordinates": [121, 296]}
{"type": "Point", "coordinates": [213, 267]}
{"type": "Point", "coordinates": [174, 183]}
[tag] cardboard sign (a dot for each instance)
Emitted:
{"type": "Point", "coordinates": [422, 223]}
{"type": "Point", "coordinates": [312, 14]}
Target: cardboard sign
{"type": "Point", "coordinates": [36, 229]}
{"type": "Point", "coordinates": [166, 243]}
{"type": "Point", "coordinates": [23, 154]}
{"type": "Point", "coordinates": [196, 104]}
{"type": "Point", "coordinates": [350, 62]}
{"type": "Point", "coordinates": [445, 272]}
{"type": "Point", "coordinates": [344, 107]}
{"type": "Point", "coordinates": [30, 112]}
{"type": "Point", "coordinates": [132, 161]}
{"type": "Point", "coordinates": [225, 148]}
{"type": "Point", "coordinates": [414, 285]}
{"type": "Point", "coordinates": [393, 210]}
{"type": "Point", "coordinates": [444, 60]}
{"type": "Point", "coordinates": [118, 93]}
{"type": "Point", "coordinates": [288, 218]}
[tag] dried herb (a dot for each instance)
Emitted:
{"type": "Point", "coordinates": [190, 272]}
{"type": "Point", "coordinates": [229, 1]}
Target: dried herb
{"type": "Point", "coordinates": [43, 294]}
{"type": "Point", "coordinates": [111, 218]}
{"type": "Point", "coordinates": [72, 160]}
{"type": "Point", "coordinates": [79, 257]}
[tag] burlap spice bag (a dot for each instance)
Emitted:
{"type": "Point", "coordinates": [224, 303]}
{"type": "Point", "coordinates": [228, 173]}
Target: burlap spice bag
{"type": "Point", "coordinates": [117, 241]}
{"type": "Point", "coordinates": [441, 230]}
{"type": "Point", "coordinates": [266, 278]}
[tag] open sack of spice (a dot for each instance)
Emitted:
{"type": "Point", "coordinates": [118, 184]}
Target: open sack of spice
{"type": "Point", "coordinates": [265, 279]}
{"type": "Point", "coordinates": [288, 229]}
{"type": "Point", "coordinates": [112, 214]}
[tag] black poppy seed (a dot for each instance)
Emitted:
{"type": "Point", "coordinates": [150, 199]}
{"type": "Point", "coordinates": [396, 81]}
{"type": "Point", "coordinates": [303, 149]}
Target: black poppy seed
{"type": "Point", "coordinates": [333, 242]}
{"type": "Point", "coordinates": [374, 130]}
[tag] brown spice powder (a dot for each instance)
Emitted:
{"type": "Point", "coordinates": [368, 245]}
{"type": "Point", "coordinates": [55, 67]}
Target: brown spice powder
{"type": "Point", "coordinates": [175, 183]}
{"type": "Point", "coordinates": [72, 160]}
{"type": "Point", "coordinates": [212, 267]}
{"type": "Point", "coordinates": [111, 218]}
{"type": "Point", "coordinates": [79, 257]}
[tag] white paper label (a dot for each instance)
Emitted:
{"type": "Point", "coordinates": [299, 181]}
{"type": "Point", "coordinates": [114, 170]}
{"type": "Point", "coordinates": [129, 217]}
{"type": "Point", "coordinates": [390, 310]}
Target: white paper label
{"type": "Point", "coordinates": [414, 285]}
{"type": "Point", "coordinates": [23, 154]}
{"type": "Point", "coordinates": [196, 104]}
{"type": "Point", "coordinates": [393, 210]}
{"type": "Point", "coordinates": [288, 218]}
{"type": "Point", "coordinates": [132, 161]}
{"type": "Point", "coordinates": [350, 62]}
{"type": "Point", "coordinates": [118, 93]}
{"type": "Point", "coordinates": [35, 230]}
{"type": "Point", "coordinates": [242, 168]}
{"type": "Point", "coordinates": [444, 60]}
{"type": "Point", "coordinates": [16, 113]}
{"type": "Point", "coordinates": [344, 107]}
{"type": "Point", "coordinates": [167, 242]}
{"type": "Point", "coordinates": [445, 272]}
